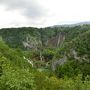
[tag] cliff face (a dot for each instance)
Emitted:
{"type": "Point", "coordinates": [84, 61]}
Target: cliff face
{"type": "Point", "coordinates": [31, 38]}
{"type": "Point", "coordinates": [56, 41]}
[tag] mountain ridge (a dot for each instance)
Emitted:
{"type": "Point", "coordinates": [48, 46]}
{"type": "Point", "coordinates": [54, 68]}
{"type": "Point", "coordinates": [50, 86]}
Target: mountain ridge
{"type": "Point", "coordinates": [72, 25]}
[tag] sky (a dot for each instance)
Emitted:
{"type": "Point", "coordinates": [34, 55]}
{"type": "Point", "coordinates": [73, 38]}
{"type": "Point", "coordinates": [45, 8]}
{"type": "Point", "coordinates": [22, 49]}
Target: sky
{"type": "Point", "coordinates": [42, 13]}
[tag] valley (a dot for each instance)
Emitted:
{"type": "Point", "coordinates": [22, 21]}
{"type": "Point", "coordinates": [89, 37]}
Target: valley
{"type": "Point", "coordinates": [51, 58]}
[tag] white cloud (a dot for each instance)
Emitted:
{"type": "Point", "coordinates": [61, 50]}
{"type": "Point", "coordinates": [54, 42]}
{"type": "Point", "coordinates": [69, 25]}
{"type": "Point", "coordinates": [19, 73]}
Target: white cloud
{"type": "Point", "coordinates": [11, 18]}
{"type": "Point", "coordinates": [42, 13]}
{"type": "Point", "coordinates": [63, 11]}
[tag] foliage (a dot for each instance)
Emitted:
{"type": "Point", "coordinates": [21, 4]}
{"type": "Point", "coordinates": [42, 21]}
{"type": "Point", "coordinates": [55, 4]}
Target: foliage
{"type": "Point", "coordinates": [17, 74]}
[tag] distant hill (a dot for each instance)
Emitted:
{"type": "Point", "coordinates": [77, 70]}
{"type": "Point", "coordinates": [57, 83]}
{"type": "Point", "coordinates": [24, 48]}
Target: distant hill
{"type": "Point", "coordinates": [72, 25]}
{"type": "Point", "coordinates": [88, 22]}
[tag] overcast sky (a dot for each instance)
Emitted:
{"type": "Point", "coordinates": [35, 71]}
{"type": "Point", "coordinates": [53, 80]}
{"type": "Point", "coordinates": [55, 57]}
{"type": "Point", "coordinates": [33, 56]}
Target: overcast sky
{"type": "Point", "coordinates": [41, 13]}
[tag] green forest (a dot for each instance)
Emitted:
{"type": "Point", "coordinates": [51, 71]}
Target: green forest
{"type": "Point", "coordinates": [51, 58]}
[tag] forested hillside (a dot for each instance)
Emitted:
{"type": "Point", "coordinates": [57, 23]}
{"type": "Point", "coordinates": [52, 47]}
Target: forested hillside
{"type": "Point", "coordinates": [52, 58]}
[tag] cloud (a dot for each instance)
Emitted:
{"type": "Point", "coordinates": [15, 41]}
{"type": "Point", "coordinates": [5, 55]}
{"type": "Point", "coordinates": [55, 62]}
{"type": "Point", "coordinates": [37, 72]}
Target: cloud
{"type": "Point", "coordinates": [41, 13]}
{"type": "Point", "coordinates": [29, 8]}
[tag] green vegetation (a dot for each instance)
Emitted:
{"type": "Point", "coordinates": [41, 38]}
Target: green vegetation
{"type": "Point", "coordinates": [27, 56]}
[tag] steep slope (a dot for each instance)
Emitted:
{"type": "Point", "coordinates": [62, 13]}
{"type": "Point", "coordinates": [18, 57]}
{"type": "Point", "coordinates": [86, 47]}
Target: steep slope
{"type": "Point", "coordinates": [11, 55]}
{"type": "Point", "coordinates": [78, 48]}
{"type": "Point", "coordinates": [17, 37]}
{"type": "Point", "coordinates": [80, 44]}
